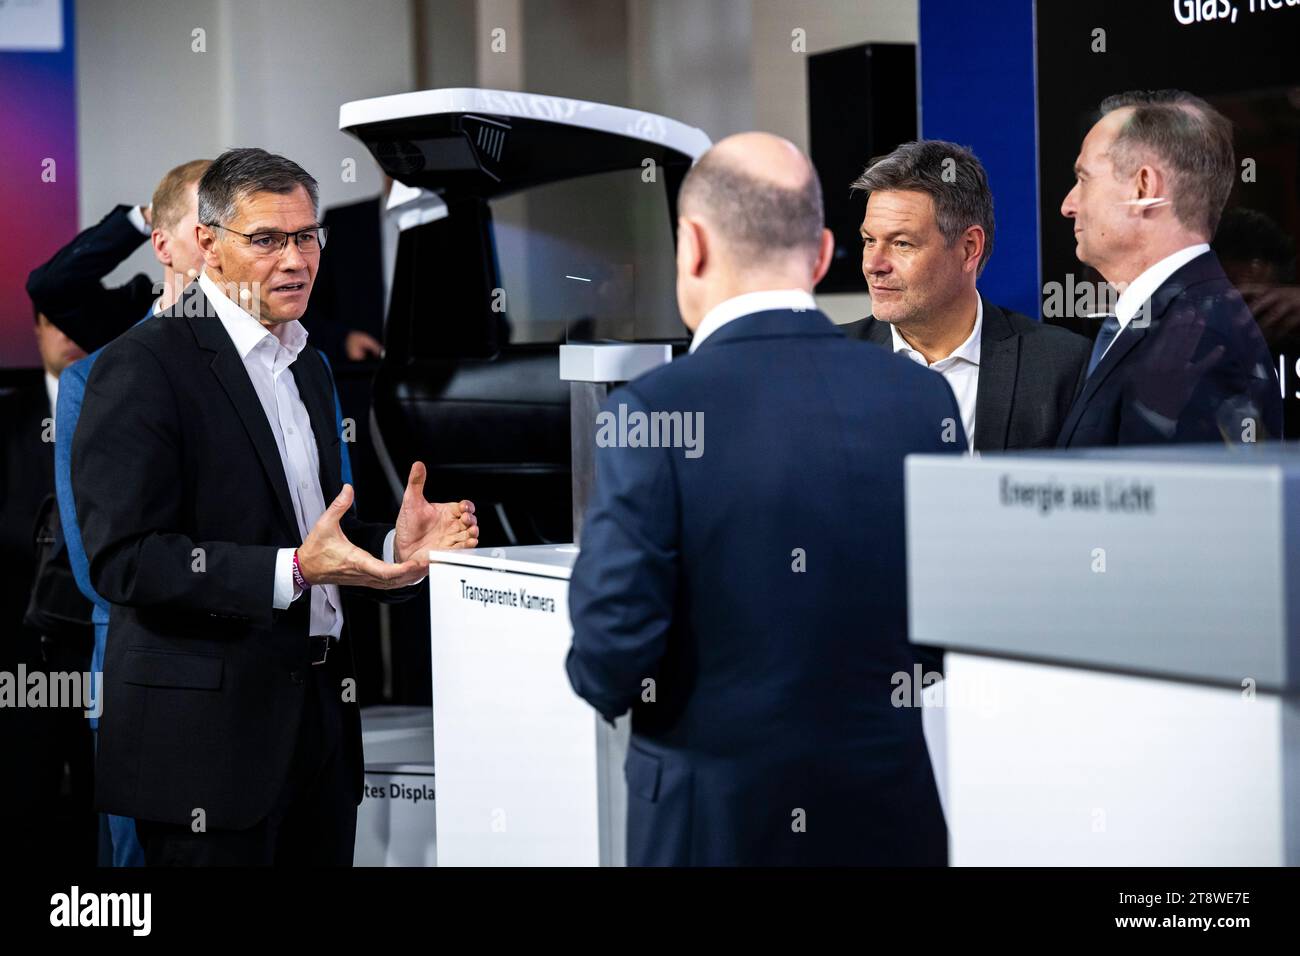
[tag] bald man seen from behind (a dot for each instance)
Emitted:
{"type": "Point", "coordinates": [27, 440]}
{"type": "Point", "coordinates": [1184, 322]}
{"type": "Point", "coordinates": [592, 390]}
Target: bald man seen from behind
{"type": "Point", "coordinates": [741, 583]}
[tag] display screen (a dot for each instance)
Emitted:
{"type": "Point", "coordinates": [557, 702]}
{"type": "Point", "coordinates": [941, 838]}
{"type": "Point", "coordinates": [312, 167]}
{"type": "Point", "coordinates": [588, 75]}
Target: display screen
{"type": "Point", "coordinates": [587, 259]}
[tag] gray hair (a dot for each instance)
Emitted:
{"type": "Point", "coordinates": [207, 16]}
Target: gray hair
{"type": "Point", "coordinates": [1191, 136]}
{"type": "Point", "coordinates": [759, 219]}
{"type": "Point", "coordinates": [950, 175]}
{"type": "Point", "coordinates": [238, 173]}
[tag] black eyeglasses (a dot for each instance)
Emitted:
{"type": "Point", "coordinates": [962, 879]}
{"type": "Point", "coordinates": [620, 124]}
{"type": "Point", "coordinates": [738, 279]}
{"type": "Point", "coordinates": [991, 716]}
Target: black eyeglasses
{"type": "Point", "coordinates": [273, 243]}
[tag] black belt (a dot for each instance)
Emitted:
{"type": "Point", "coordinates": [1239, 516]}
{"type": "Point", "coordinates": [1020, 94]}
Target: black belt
{"type": "Point", "coordinates": [318, 647]}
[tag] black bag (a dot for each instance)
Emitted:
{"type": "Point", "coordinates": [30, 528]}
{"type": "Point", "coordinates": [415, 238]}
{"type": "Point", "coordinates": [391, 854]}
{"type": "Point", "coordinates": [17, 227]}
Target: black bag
{"type": "Point", "coordinates": [56, 608]}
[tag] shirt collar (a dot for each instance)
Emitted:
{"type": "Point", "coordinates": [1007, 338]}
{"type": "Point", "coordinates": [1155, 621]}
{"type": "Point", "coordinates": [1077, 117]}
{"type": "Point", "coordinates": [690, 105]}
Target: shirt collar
{"type": "Point", "coordinates": [52, 390]}
{"type": "Point", "coordinates": [747, 304]}
{"type": "Point", "coordinates": [245, 331]}
{"type": "Point", "coordinates": [1144, 286]}
{"type": "Point", "coordinates": [968, 350]}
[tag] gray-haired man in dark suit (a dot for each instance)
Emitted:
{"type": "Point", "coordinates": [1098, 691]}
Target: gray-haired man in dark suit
{"type": "Point", "coordinates": [927, 235]}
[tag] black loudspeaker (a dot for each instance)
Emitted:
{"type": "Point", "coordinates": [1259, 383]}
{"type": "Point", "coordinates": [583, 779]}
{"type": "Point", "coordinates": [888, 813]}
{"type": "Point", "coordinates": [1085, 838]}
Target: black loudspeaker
{"type": "Point", "coordinates": [861, 104]}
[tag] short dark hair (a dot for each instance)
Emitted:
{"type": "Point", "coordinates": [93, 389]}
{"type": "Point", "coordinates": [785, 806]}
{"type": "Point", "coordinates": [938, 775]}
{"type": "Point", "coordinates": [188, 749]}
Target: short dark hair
{"type": "Point", "coordinates": [951, 175]}
{"type": "Point", "coordinates": [1191, 136]}
{"type": "Point", "coordinates": [760, 219]}
{"type": "Point", "coordinates": [238, 173]}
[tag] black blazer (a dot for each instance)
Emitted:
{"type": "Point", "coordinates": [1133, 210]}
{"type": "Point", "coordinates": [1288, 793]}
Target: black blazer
{"type": "Point", "coordinates": [348, 294]}
{"type": "Point", "coordinates": [69, 290]}
{"type": "Point", "coordinates": [1029, 373]}
{"type": "Point", "coordinates": [1193, 374]}
{"type": "Point", "coordinates": [183, 502]}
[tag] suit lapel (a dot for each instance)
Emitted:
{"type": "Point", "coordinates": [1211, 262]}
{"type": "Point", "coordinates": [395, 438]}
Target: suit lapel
{"type": "Point", "coordinates": [1203, 267]}
{"type": "Point", "coordinates": [316, 394]}
{"type": "Point", "coordinates": [876, 332]}
{"type": "Point", "coordinates": [999, 366]}
{"type": "Point", "coordinates": [1124, 343]}
{"type": "Point", "coordinates": [995, 394]}
{"type": "Point", "coordinates": [233, 377]}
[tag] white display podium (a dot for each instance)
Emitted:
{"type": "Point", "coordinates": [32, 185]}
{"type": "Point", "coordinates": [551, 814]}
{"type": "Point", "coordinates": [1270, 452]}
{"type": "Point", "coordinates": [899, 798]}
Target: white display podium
{"type": "Point", "coordinates": [528, 773]}
{"type": "Point", "coordinates": [1122, 652]}
{"type": "Point", "coordinates": [395, 821]}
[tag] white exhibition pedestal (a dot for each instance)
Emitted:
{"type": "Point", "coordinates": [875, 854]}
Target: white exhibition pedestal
{"type": "Point", "coordinates": [1053, 765]}
{"type": "Point", "coordinates": [1122, 652]}
{"type": "Point", "coordinates": [528, 773]}
{"type": "Point", "coordinates": [395, 821]}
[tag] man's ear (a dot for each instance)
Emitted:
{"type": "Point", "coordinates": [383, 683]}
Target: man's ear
{"type": "Point", "coordinates": [825, 253]}
{"type": "Point", "coordinates": [161, 249]}
{"type": "Point", "coordinates": [1147, 181]}
{"type": "Point", "coordinates": [207, 239]}
{"type": "Point", "coordinates": [972, 248]}
{"type": "Point", "coordinates": [1151, 184]}
{"type": "Point", "coordinates": [692, 247]}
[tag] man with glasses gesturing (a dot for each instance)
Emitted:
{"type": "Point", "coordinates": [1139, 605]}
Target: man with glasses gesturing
{"type": "Point", "coordinates": [207, 479]}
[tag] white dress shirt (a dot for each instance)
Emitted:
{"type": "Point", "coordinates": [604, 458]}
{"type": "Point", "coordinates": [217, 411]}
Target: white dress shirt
{"type": "Point", "coordinates": [961, 368]}
{"type": "Point", "coordinates": [136, 218]}
{"type": "Point", "coordinates": [1144, 286]}
{"type": "Point", "coordinates": [747, 304]}
{"type": "Point", "coordinates": [267, 356]}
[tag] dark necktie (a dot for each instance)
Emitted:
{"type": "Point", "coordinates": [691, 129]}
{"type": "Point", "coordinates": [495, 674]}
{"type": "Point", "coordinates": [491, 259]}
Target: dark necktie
{"type": "Point", "coordinates": [1109, 329]}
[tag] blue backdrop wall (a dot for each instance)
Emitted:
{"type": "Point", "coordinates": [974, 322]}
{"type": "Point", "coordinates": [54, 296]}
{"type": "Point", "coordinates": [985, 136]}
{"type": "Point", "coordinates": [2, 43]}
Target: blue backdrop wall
{"type": "Point", "coordinates": [978, 89]}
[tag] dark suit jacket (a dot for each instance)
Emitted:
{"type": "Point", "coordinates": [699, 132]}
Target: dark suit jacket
{"type": "Point", "coordinates": [349, 291]}
{"type": "Point", "coordinates": [1194, 373]}
{"type": "Point", "coordinates": [1029, 374]}
{"type": "Point", "coordinates": [69, 290]}
{"type": "Point", "coordinates": [173, 462]}
{"type": "Point", "coordinates": [771, 701]}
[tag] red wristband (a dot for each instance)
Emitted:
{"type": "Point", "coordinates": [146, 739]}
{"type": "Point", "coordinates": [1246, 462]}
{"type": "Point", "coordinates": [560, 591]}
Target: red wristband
{"type": "Point", "coordinates": [298, 579]}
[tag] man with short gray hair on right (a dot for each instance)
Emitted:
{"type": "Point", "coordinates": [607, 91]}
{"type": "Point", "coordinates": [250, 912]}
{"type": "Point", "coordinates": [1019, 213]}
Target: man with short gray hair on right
{"type": "Point", "coordinates": [926, 237]}
{"type": "Point", "coordinates": [1182, 359]}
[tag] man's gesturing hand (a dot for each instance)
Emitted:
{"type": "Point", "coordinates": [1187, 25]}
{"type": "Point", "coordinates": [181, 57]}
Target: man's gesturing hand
{"type": "Point", "coordinates": [423, 525]}
{"type": "Point", "coordinates": [328, 557]}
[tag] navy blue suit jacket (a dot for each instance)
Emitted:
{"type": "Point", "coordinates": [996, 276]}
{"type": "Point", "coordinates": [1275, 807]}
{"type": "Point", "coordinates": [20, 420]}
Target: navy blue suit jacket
{"type": "Point", "coordinates": [760, 587]}
{"type": "Point", "coordinates": [1194, 368]}
{"type": "Point", "coordinates": [69, 289]}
